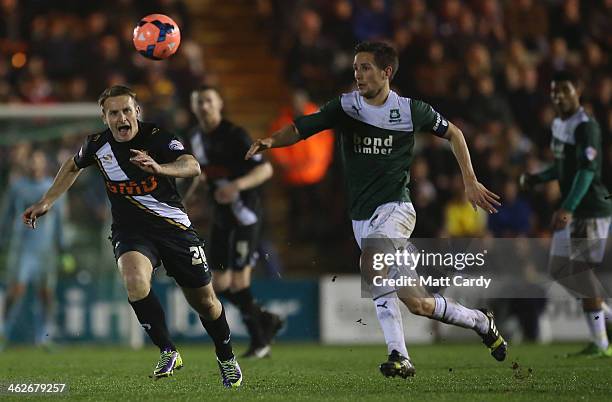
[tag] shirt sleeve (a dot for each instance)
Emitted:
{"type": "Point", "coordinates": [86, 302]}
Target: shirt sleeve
{"type": "Point", "coordinates": [85, 156]}
{"type": "Point", "coordinates": [588, 145]}
{"type": "Point", "coordinates": [580, 185]}
{"type": "Point", "coordinates": [324, 119]}
{"type": "Point", "coordinates": [426, 118]}
{"type": "Point", "coordinates": [167, 148]}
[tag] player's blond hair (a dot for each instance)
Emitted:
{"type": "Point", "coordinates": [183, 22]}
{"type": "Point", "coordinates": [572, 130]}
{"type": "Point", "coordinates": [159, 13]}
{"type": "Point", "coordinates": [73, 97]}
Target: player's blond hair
{"type": "Point", "coordinates": [116, 90]}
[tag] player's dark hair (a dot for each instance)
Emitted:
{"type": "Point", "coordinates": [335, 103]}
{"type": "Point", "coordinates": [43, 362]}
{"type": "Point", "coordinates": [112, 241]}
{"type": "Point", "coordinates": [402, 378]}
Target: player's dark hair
{"type": "Point", "coordinates": [384, 55]}
{"type": "Point", "coordinates": [206, 87]}
{"type": "Point", "coordinates": [565, 75]}
{"type": "Point", "coordinates": [115, 90]}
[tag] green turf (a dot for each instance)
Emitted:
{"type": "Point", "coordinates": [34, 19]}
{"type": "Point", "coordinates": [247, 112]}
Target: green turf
{"type": "Point", "coordinates": [312, 372]}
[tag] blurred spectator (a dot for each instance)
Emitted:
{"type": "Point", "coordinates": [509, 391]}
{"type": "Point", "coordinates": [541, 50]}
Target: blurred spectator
{"type": "Point", "coordinates": [449, 15]}
{"type": "Point", "coordinates": [338, 25]}
{"type": "Point", "coordinates": [425, 200]}
{"type": "Point", "coordinates": [487, 105]}
{"type": "Point", "coordinates": [599, 17]}
{"type": "Point", "coordinates": [567, 22]}
{"type": "Point", "coordinates": [434, 75]}
{"type": "Point", "coordinates": [302, 168]}
{"type": "Point", "coordinates": [477, 63]}
{"type": "Point", "coordinates": [338, 28]}
{"type": "Point", "coordinates": [460, 218]}
{"type": "Point", "coordinates": [10, 20]}
{"type": "Point", "coordinates": [558, 59]}
{"type": "Point", "coordinates": [372, 20]}
{"type": "Point", "coordinates": [527, 20]}
{"type": "Point", "coordinates": [414, 16]}
{"type": "Point", "coordinates": [526, 98]}
{"type": "Point", "coordinates": [491, 23]}
{"type": "Point", "coordinates": [309, 60]}
{"type": "Point", "coordinates": [513, 217]}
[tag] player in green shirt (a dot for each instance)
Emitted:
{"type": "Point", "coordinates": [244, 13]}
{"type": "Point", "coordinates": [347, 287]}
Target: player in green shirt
{"type": "Point", "coordinates": [582, 222]}
{"type": "Point", "coordinates": [375, 130]}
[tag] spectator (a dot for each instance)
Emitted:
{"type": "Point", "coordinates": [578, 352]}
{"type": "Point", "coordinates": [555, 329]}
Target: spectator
{"type": "Point", "coordinates": [308, 61]}
{"type": "Point", "coordinates": [372, 20]}
{"type": "Point", "coordinates": [567, 23]}
{"type": "Point", "coordinates": [460, 218]}
{"type": "Point", "coordinates": [302, 169]}
{"type": "Point", "coordinates": [527, 20]}
{"type": "Point", "coordinates": [487, 105]}
{"type": "Point", "coordinates": [514, 215]}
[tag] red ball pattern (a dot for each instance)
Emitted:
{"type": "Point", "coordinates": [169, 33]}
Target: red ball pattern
{"type": "Point", "coordinates": [157, 37]}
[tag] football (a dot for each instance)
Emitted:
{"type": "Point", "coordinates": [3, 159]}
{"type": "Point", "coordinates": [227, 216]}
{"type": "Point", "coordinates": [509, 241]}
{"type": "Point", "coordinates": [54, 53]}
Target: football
{"type": "Point", "coordinates": [157, 37]}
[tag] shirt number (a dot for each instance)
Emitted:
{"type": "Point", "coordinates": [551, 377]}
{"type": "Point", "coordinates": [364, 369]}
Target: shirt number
{"type": "Point", "coordinates": [197, 255]}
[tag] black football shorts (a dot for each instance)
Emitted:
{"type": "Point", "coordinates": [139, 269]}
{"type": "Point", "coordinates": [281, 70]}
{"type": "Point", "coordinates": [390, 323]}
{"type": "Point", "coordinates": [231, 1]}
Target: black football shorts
{"type": "Point", "coordinates": [181, 252]}
{"type": "Point", "coordinates": [233, 247]}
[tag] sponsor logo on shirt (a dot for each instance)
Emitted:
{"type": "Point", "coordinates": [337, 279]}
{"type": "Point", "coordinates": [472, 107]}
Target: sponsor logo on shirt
{"type": "Point", "coordinates": [394, 116]}
{"type": "Point", "coordinates": [591, 153]}
{"type": "Point", "coordinates": [132, 187]}
{"type": "Point", "coordinates": [176, 145]}
{"type": "Point", "coordinates": [372, 145]}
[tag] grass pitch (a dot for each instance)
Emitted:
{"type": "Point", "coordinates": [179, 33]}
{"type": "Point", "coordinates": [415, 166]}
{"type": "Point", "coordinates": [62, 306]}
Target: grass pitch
{"type": "Point", "coordinates": [312, 372]}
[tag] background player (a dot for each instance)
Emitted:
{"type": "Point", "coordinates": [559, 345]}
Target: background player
{"type": "Point", "coordinates": [31, 254]}
{"type": "Point", "coordinates": [234, 184]}
{"type": "Point", "coordinates": [139, 163]}
{"type": "Point", "coordinates": [582, 222]}
{"type": "Point", "coordinates": [375, 129]}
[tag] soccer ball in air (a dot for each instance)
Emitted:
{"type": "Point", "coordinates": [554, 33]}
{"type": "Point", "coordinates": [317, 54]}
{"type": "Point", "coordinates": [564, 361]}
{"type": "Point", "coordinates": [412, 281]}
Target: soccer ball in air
{"type": "Point", "coordinates": [157, 37]}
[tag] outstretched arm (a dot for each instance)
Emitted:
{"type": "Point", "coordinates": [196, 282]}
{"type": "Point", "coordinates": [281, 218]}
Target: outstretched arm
{"type": "Point", "coordinates": [284, 137]}
{"type": "Point", "coordinates": [302, 128]}
{"type": "Point", "coordinates": [62, 182]}
{"type": "Point", "coordinates": [476, 193]}
{"type": "Point", "coordinates": [184, 166]}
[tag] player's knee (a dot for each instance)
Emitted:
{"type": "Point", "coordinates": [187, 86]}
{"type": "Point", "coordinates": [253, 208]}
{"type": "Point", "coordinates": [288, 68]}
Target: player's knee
{"type": "Point", "coordinates": [137, 286]}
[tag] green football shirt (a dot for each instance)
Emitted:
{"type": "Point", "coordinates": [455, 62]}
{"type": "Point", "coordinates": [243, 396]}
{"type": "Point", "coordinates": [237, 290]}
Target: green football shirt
{"type": "Point", "coordinates": [576, 144]}
{"type": "Point", "coordinates": [376, 145]}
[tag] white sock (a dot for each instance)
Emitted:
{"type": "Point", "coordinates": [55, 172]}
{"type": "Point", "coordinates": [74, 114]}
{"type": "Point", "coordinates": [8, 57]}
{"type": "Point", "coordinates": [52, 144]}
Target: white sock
{"type": "Point", "coordinates": [390, 319]}
{"type": "Point", "coordinates": [597, 327]}
{"type": "Point", "coordinates": [451, 312]}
